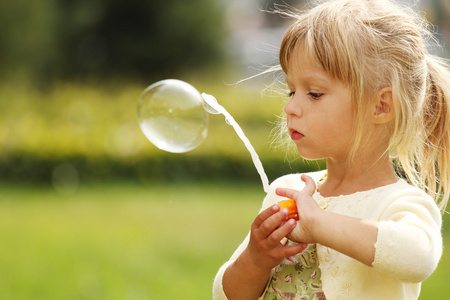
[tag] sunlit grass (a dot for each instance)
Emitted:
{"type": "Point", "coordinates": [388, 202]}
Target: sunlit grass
{"type": "Point", "coordinates": [126, 241]}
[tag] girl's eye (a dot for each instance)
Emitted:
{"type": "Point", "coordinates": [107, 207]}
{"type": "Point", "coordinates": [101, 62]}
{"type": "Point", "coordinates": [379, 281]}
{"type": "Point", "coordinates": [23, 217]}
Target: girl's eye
{"type": "Point", "coordinates": [291, 94]}
{"type": "Point", "coordinates": [315, 95]}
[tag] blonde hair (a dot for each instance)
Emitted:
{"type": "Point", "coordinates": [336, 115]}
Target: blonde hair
{"type": "Point", "coordinates": [370, 45]}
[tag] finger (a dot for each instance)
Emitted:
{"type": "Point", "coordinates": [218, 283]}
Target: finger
{"type": "Point", "coordinates": [310, 185]}
{"type": "Point", "coordinates": [282, 231]}
{"type": "Point", "coordinates": [271, 224]}
{"type": "Point", "coordinates": [288, 193]}
{"type": "Point", "coordinates": [309, 189]}
{"type": "Point", "coordinates": [295, 249]}
{"type": "Point", "coordinates": [262, 216]}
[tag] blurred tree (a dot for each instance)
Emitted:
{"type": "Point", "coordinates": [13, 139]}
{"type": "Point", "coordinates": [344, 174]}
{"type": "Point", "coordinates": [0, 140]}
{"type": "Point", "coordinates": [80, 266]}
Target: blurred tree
{"type": "Point", "coordinates": [149, 38]}
{"type": "Point", "coordinates": [28, 37]}
{"type": "Point", "coordinates": [67, 38]}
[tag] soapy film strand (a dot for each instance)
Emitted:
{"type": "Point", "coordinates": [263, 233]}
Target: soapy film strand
{"type": "Point", "coordinates": [211, 101]}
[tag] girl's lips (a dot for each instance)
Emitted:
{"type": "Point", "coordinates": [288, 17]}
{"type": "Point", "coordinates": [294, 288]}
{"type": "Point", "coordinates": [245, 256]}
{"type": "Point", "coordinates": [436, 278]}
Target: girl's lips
{"type": "Point", "coordinates": [295, 135]}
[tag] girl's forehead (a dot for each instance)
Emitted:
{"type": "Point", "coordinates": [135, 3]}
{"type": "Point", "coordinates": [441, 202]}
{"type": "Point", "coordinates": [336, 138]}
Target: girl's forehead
{"type": "Point", "coordinates": [302, 64]}
{"type": "Point", "coordinates": [300, 58]}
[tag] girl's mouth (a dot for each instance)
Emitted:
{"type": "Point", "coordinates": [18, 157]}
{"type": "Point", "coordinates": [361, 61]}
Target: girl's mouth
{"type": "Point", "coordinates": [295, 135]}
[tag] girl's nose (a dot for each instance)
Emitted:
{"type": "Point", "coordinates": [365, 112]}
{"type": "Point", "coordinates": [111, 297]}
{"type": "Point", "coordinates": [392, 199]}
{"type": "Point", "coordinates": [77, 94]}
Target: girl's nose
{"type": "Point", "coordinates": [293, 108]}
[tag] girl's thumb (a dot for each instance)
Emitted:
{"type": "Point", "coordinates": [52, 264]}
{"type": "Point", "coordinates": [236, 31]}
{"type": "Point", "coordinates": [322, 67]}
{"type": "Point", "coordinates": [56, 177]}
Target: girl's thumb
{"type": "Point", "coordinates": [310, 185]}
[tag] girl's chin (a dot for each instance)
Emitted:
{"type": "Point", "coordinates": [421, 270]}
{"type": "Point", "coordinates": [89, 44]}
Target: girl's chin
{"type": "Point", "coordinates": [308, 155]}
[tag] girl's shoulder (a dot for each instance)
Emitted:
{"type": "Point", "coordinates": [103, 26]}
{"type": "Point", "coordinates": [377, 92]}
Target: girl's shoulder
{"type": "Point", "coordinates": [403, 193]}
{"type": "Point", "coordinates": [384, 203]}
{"type": "Point", "coordinates": [401, 190]}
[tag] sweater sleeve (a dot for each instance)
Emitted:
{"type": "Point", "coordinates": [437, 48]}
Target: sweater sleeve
{"type": "Point", "coordinates": [218, 293]}
{"type": "Point", "coordinates": [409, 242]}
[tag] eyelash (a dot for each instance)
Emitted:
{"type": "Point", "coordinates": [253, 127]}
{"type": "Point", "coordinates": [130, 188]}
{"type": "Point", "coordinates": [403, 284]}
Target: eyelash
{"type": "Point", "coordinates": [313, 95]}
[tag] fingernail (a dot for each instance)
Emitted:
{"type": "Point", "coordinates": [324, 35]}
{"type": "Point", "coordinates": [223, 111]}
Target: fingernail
{"type": "Point", "coordinates": [285, 211]}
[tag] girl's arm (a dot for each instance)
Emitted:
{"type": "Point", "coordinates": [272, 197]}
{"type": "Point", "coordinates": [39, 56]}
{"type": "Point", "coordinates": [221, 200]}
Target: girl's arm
{"type": "Point", "coordinates": [350, 236]}
{"type": "Point", "coordinates": [248, 275]}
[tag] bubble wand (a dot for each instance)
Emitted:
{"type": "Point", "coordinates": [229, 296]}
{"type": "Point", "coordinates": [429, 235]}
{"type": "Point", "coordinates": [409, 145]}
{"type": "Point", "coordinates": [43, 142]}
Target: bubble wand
{"type": "Point", "coordinates": [211, 101]}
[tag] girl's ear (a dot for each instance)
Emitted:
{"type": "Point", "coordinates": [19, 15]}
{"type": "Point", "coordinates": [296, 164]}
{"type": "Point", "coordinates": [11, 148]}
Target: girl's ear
{"type": "Point", "coordinates": [384, 106]}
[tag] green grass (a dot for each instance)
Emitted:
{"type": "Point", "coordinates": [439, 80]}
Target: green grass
{"type": "Point", "coordinates": [119, 242]}
{"type": "Point", "coordinates": [127, 241]}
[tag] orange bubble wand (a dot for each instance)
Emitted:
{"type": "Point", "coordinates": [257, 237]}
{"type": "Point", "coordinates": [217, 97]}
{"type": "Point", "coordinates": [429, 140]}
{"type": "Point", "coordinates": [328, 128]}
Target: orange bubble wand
{"type": "Point", "coordinates": [291, 207]}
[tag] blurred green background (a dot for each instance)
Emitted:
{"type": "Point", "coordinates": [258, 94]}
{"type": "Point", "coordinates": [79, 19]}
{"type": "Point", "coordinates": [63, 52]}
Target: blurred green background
{"type": "Point", "coordinates": [89, 209]}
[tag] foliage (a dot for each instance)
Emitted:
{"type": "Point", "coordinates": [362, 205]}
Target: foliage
{"type": "Point", "coordinates": [52, 39]}
{"type": "Point", "coordinates": [92, 130]}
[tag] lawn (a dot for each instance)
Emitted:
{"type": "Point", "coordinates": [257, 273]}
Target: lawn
{"type": "Point", "coordinates": [129, 241]}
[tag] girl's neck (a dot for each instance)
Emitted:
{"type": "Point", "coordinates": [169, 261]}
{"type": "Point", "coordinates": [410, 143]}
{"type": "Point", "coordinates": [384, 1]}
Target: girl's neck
{"type": "Point", "coordinates": [345, 179]}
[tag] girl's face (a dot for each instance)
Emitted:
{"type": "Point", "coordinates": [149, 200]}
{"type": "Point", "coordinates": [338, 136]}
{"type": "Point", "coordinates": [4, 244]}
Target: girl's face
{"type": "Point", "coordinates": [319, 113]}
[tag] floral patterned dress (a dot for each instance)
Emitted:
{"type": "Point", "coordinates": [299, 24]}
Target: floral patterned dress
{"type": "Point", "coordinates": [296, 278]}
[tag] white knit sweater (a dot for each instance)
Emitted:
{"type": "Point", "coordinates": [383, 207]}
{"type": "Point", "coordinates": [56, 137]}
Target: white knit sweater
{"type": "Point", "coordinates": [407, 251]}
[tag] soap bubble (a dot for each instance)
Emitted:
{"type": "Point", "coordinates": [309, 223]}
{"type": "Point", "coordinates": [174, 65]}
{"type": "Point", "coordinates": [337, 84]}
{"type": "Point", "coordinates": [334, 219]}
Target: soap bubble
{"type": "Point", "coordinates": [172, 116]}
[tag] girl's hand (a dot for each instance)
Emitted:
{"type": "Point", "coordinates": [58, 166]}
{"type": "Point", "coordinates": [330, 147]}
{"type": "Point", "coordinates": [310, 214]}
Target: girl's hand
{"type": "Point", "coordinates": [308, 211]}
{"type": "Point", "coordinates": [265, 250]}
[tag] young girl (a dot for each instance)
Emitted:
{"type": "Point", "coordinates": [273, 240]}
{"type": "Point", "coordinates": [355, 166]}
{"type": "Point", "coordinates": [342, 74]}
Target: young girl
{"type": "Point", "coordinates": [366, 96]}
